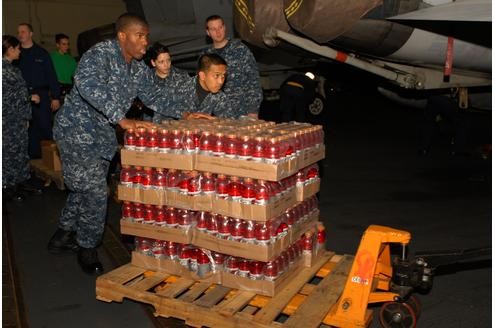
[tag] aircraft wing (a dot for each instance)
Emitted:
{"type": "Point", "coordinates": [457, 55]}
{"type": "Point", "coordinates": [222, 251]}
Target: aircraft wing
{"type": "Point", "coordinates": [468, 20]}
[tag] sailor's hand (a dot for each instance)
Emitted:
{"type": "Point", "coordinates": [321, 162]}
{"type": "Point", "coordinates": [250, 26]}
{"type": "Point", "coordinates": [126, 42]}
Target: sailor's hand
{"type": "Point", "coordinates": [55, 105]}
{"type": "Point", "coordinates": [134, 124]}
{"type": "Point", "coordinates": [195, 116]}
{"type": "Point", "coordinates": [35, 98]}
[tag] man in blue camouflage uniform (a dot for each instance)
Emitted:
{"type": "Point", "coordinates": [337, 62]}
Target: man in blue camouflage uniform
{"type": "Point", "coordinates": [107, 80]}
{"type": "Point", "coordinates": [202, 93]}
{"type": "Point", "coordinates": [242, 85]}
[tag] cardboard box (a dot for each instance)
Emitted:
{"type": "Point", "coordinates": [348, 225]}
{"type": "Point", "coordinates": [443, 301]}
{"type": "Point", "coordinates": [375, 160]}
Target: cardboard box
{"type": "Point", "coordinates": [156, 232]}
{"type": "Point", "coordinates": [243, 168]}
{"type": "Point", "coordinates": [208, 203]}
{"type": "Point", "coordinates": [155, 159]}
{"type": "Point", "coordinates": [50, 155]}
{"type": "Point", "coordinates": [172, 267]}
{"type": "Point", "coordinates": [261, 287]}
{"type": "Point", "coordinates": [262, 253]}
{"type": "Point", "coordinates": [310, 156]}
{"type": "Point", "coordinates": [307, 191]}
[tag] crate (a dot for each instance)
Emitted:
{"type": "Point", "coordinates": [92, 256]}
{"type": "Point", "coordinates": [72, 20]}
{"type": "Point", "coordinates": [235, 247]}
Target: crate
{"type": "Point", "coordinates": [302, 303]}
{"type": "Point", "coordinates": [46, 174]}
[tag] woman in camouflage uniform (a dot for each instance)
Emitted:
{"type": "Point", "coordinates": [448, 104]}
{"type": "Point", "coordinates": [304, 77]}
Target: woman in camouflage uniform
{"type": "Point", "coordinates": [16, 113]}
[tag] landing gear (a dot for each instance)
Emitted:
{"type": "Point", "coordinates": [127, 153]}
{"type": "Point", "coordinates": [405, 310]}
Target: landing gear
{"type": "Point", "coordinates": [317, 106]}
{"type": "Point", "coordinates": [398, 315]}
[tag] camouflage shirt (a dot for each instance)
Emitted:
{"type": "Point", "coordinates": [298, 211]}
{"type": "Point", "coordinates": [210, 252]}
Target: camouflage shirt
{"type": "Point", "coordinates": [16, 111]}
{"type": "Point", "coordinates": [175, 78]}
{"type": "Point", "coordinates": [186, 99]}
{"type": "Point", "coordinates": [104, 89]}
{"type": "Point", "coordinates": [242, 85]}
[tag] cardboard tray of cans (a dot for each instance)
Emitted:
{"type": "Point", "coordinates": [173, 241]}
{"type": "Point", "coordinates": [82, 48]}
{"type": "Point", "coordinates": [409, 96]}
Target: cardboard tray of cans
{"type": "Point", "coordinates": [193, 236]}
{"type": "Point", "coordinates": [261, 287]}
{"type": "Point", "coordinates": [220, 206]}
{"type": "Point", "coordinates": [258, 252]}
{"type": "Point", "coordinates": [223, 165]}
{"type": "Point", "coordinates": [308, 190]}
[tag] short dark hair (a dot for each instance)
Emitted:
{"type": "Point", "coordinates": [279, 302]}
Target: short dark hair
{"type": "Point", "coordinates": [154, 51]}
{"type": "Point", "coordinates": [206, 60]}
{"type": "Point", "coordinates": [29, 26]}
{"type": "Point", "coordinates": [60, 36]}
{"type": "Point", "coordinates": [126, 20]}
{"type": "Point", "coordinates": [212, 18]}
{"type": "Point", "coordinates": [9, 41]}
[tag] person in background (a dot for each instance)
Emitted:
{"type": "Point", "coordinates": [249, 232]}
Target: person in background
{"type": "Point", "coordinates": [444, 107]}
{"type": "Point", "coordinates": [39, 74]}
{"type": "Point", "coordinates": [65, 65]}
{"type": "Point", "coordinates": [297, 92]}
{"type": "Point", "coordinates": [242, 85]}
{"type": "Point", "coordinates": [16, 113]}
{"type": "Point", "coordinates": [109, 77]}
{"type": "Point", "coordinates": [158, 58]}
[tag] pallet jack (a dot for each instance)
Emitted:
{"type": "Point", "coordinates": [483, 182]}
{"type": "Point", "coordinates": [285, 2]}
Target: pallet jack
{"type": "Point", "coordinates": [377, 278]}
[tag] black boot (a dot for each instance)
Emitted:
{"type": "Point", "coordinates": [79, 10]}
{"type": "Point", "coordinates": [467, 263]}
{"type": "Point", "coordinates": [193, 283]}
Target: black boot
{"type": "Point", "coordinates": [62, 241]}
{"type": "Point", "coordinates": [88, 260]}
{"type": "Point", "coordinates": [33, 186]}
{"type": "Point", "coordinates": [13, 193]}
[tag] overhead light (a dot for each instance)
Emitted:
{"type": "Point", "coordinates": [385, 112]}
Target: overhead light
{"type": "Point", "coordinates": [310, 75]}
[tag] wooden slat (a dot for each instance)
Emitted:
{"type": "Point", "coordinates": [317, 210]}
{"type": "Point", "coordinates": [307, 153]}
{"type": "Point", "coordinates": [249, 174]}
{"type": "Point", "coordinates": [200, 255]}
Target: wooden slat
{"type": "Point", "coordinates": [313, 310]}
{"type": "Point", "coordinates": [176, 288]}
{"type": "Point", "coordinates": [123, 274]}
{"type": "Point", "coordinates": [195, 291]}
{"type": "Point", "coordinates": [213, 296]}
{"type": "Point", "coordinates": [237, 302]}
{"type": "Point", "coordinates": [249, 309]}
{"type": "Point", "coordinates": [269, 312]}
{"type": "Point", "coordinates": [150, 281]}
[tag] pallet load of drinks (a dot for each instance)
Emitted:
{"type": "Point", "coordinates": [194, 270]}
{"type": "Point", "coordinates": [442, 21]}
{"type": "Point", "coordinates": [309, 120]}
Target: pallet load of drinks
{"type": "Point", "coordinates": [231, 202]}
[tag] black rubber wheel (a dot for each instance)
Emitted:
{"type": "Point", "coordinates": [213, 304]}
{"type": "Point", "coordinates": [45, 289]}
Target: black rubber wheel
{"type": "Point", "coordinates": [397, 315]}
{"type": "Point", "coordinates": [318, 106]}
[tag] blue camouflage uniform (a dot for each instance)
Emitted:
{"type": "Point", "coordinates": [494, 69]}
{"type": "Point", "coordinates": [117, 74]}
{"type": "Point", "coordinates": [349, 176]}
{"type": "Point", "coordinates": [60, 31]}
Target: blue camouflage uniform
{"type": "Point", "coordinates": [16, 112]}
{"type": "Point", "coordinates": [38, 72]}
{"type": "Point", "coordinates": [104, 88]}
{"type": "Point", "coordinates": [242, 84]}
{"type": "Point", "coordinates": [183, 97]}
{"type": "Point", "coordinates": [175, 78]}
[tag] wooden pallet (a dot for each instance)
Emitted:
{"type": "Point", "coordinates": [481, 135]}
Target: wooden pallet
{"type": "Point", "coordinates": [303, 303]}
{"type": "Point", "coordinates": [46, 174]}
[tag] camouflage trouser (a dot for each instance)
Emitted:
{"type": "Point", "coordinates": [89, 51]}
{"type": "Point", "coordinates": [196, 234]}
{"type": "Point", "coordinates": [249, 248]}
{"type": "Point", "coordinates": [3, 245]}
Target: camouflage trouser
{"type": "Point", "coordinates": [15, 158]}
{"type": "Point", "coordinates": [86, 205]}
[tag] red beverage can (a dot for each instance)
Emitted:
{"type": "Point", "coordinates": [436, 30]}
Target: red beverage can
{"type": "Point", "coordinates": [138, 212]}
{"type": "Point", "coordinates": [171, 217]}
{"type": "Point", "coordinates": [130, 139]}
{"type": "Point", "coordinates": [202, 221]}
{"type": "Point", "coordinates": [244, 267]}
{"type": "Point", "coordinates": [163, 141]}
{"type": "Point", "coordinates": [149, 215]}
{"type": "Point", "coordinates": [127, 210]}
{"type": "Point", "coordinates": [208, 183]}
{"type": "Point", "coordinates": [126, 176]}
{"type": "Point", "coordinates": [256, 270]}
{"type": "Point", "coordinates": [152, 140]}
{"type": "Point", "coordinates": [141, 135]}
{"type": "Point", "coordinates": [160, 216]}
{"type": "Point", "coordinates": [245, 150]}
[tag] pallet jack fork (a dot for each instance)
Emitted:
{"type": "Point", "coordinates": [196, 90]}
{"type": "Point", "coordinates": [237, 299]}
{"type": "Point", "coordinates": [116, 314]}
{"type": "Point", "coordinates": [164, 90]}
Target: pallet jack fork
{"type": "Point", "coordinates": [369, 279]}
